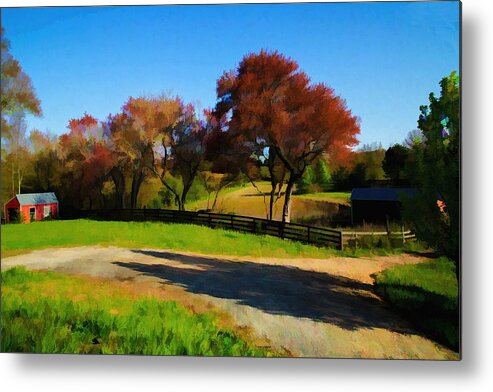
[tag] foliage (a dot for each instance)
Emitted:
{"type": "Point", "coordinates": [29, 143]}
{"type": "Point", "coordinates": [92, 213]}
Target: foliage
{"type": "Point", "coordinates": [344, 179]}
{"type": "Point", "coordinates": [427, 293]}
{"type": "Point", "coordinates": [371, 155]}
{"type": "Point", "coordinates": [305, 183]}
{"type": "Point", "coordinates": [18, 94]}
{"type": "Point", "coordinates": [434, 169]}
{"type": "Point", "coordinates": [394, 161]}
{"type": "Point", "coordinates": [41, 314]}
{"type": "Point", "coordinates": [274, 108]}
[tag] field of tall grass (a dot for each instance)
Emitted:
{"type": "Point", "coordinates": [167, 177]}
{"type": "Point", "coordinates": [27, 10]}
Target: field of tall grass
{"type": "Point", "coordinates": [427, 294]}
{"type": "Point", "coordinates": [46, 312]}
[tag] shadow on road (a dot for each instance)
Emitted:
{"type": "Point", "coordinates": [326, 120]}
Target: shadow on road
{"type": "Point", "coordinates": [280, 290]}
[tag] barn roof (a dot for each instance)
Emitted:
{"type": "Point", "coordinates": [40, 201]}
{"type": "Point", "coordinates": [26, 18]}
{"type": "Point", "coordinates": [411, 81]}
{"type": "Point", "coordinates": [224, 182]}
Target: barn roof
{"type": "Point", "coordinates": [36, 198]}
{"type": "Point", "coordinates": [381, 194]}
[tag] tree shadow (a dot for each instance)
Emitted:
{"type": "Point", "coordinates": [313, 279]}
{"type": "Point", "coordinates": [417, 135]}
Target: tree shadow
{"type": "Point", "coordinates": [279, 290]}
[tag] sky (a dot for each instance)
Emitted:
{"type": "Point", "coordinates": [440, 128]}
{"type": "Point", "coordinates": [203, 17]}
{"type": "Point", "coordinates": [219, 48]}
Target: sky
{"type": "Point", "coordinates": [383, 58]}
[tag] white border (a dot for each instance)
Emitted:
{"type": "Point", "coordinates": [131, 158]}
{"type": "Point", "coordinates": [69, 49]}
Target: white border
{"type": "Point", "coordinates": [126, 373]}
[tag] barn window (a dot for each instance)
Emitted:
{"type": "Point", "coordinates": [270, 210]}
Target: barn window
{"type": "Point", "coordinates": [46, 211]}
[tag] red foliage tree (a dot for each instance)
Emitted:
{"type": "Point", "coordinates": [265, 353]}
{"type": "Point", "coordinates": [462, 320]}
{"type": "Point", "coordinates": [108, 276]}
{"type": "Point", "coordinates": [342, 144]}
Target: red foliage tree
{"type": "Point", "coordinates": [270, 102]}
{"type": "Point", "coordinates": [87, 160]}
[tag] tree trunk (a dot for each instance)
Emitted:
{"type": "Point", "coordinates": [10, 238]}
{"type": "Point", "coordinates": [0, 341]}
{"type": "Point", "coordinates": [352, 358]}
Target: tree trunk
{"type": "Point", "coordinates": [215, 199]}
{"type": "Point", "coordinates": [13, 179]}
{"type": "Point", "coordinates": [184, 194]}
{"type": "Point", "coordinates": [119, 180]}
{"type": "Point", "coordinates": [19, 179]}
{"type": "Point", "coordinates": [271, 200]}
{"type": "Point", "coordinates": [286, 211]}
{"type": "Point", "coordinates": [137, 179]}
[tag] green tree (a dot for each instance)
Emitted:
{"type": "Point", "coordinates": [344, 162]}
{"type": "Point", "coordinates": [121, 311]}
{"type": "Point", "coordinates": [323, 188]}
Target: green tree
{"type": "Point", "coordinates": [435, 167]}
{"type": "Point", "coordinates": [322, 174]}
{"type": "Point", "coordinates": [372, 155]}
{"type": "Point", "coordinates": [394, 161]}
{"type": "Point", "coordinates": [306, 181]}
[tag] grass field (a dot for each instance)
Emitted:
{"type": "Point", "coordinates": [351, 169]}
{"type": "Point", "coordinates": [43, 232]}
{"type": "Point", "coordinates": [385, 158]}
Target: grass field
{"type": "Point", "coordinates": [334, 196]}
{"type": "Point", "coordinates": [18, 238]}
{"type": "Point", "coordinates": [427, 294]}
{"type": "Point", "coordinates": [248, 200]}
{"type": "Point", "coordinates": [153, 235]}
{"type": "Point", "coordinates": [46, 312]}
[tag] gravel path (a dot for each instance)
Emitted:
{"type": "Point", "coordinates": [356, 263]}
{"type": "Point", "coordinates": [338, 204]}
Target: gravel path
{"type": "Point", "coordinates": [309, 307]}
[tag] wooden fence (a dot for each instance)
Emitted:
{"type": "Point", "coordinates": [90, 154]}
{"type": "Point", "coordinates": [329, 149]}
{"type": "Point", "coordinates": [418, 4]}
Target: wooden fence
{"type": "Point", "coordinates": [352, 238]}
{"type": "Point", "coordinates": [319, 236]}
{"type": "Point", "coordinates": [313, 235]}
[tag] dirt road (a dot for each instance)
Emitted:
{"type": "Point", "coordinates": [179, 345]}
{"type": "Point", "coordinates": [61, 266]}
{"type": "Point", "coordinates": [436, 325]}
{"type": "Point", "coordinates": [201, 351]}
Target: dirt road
{"type": "Point", "coordinates": [309, 307]}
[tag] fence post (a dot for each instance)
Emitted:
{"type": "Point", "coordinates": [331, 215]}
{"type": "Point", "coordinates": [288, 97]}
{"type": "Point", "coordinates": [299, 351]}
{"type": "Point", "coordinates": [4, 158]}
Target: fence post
{"type": "Point", "coordinates": [308, 234]}
{"type": "Point", "coordinates": [232, 223]}
{"type": "Point", "coordinates": [341, 240]}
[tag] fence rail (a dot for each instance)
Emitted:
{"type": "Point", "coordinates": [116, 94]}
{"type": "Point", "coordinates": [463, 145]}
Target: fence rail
{"type": "Point", "coordinates": [319, 236]}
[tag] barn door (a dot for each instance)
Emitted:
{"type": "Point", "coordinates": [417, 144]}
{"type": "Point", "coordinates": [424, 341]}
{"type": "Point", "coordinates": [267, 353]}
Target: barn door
{"type": "Point", "coordinates": [32, 214]}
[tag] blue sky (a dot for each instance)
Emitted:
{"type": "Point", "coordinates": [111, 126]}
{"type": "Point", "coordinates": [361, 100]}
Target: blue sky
{"type": "Point", "coordinates": [383, 58]}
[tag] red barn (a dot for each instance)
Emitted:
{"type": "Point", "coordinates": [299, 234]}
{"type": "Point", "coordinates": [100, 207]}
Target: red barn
{"type": "Point", "coordinates": [32, 206]}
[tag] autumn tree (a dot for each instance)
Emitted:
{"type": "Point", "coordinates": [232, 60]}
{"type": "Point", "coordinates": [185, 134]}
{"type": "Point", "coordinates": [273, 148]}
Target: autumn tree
{"type": "Point", "coordinates": [17, 91]}
{"type": "Point", "coordinates": [188, 143]}
{"type": "Point", "coordinates": [47, 166]}
{"type": "Point", "coordinates": [271, 102]}
{"type": "Point", "coordinates": [134, 133]}
{"type": "Point", "coordinates": [17, 98]}
{"type": "Point", "coordinates": [87, 159]}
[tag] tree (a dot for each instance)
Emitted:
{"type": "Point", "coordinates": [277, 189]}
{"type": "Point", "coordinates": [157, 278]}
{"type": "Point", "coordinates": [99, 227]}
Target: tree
{"type": "Point", "coordinates": [323, 177]}
{"type": "Point", "coordinates": [413, 138]}
{"type": "Point", "coordinates": [436, 172]}
{"type": "Point", "coordinates": [372, 156]}
{"type": "Point", "coordinates": [188, 145]}
{"type": "Point", "coordinates": [394, 161]}
{"type": "Point", "coordinates": [47, 166]}
{"type": "Point", "coordinates": [134, 133]}
{"type": "Point", "coordinates": [272, 102]}
{"type": "Point", "coordinates": [15, 152]}
{"type": "Point", "coordinates": [87, 160]}
{"type": "Point", "coordinates": [305, 183]}
{"type": "Point", "coordinates": [18, 93]}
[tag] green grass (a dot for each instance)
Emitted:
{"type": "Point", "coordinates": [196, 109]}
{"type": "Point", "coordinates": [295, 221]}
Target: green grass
{"type": "Point", "coordinates": [345, 196]}
{"type": "Point", "coordinates": [427, 294]}
{"type": "Point", "coordinates": [151, 234]}
{"type": "Point", "coordinates": [19, 238]}
{"type": "Point", "coordinates": [46, 312]}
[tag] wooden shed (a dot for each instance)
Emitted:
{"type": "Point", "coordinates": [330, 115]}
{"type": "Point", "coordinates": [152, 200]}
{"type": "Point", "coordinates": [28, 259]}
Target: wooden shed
{"type": "Point", "coordinates": [377, 205]}
{"type": "Point", "coordinates": [29, 207]}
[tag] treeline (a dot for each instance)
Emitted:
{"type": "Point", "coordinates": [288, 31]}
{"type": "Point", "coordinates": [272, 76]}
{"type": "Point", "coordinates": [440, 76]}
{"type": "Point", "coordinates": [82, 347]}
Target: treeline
{"type": "Point", "coordinates": [268, 118]}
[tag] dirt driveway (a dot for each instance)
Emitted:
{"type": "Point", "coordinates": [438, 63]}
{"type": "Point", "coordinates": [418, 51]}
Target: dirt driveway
{"type": "Point", "coordinates": [309, 307]}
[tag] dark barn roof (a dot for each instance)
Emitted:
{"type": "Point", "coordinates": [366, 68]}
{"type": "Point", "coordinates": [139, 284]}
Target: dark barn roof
{"type": "Point", "coordinates": [36, 198]}
{"type": "Point", "coordinates": [381, 194]}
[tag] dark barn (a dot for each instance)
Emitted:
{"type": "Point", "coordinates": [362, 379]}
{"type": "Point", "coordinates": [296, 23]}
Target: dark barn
{"type": "Point", "coordinates": [376, 205]}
